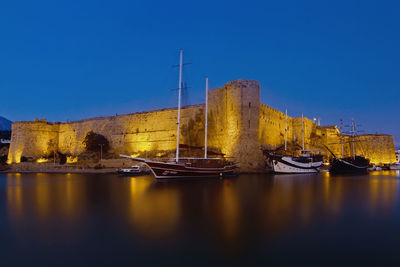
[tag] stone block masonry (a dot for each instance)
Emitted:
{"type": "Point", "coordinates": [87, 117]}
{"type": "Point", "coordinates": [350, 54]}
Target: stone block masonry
{"type": "Point", "coordinates": [239, 125]}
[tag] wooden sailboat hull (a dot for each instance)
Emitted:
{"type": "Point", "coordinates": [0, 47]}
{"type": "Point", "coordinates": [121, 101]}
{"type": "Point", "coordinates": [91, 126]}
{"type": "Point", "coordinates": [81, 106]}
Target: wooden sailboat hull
{"type": "Point", "coordinates": [163, 170]}
{"type": "Point", "coordinates": [339, 166]}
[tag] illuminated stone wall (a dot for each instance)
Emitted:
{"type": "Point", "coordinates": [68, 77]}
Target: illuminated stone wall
{"type": "Point", "coordinates": [234, 122]}
{"type": "Point", "coordinates": [32, 139]}
{"type": "Point", "coordinates": [272, 127]}
{"type": "Point", "coordinates": [272, 130]}
{"type": "Point", "coordinates": [379, 148]}
{"type": "Point", "coordinates": [129, 134]}
{"type": "Point", "coordinates": [239, 125]}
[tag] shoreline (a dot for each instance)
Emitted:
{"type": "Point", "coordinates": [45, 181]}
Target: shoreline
{"type": "Point", "coordinates": [110, 166]}
{"type": "Point", "coordinates": [100, 171]}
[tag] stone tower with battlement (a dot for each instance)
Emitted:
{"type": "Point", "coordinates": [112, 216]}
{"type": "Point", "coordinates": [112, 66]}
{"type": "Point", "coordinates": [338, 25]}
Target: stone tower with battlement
{"type": "Point", "coordinates": [234, 116]}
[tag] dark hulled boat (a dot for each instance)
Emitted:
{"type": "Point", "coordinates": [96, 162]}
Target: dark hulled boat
{"type": "Point", "coordinates": [189, 168]}
{"type": "Point", "coordinates": [354, 164]}
{"type": "Point", "coordinates": [357, 164]}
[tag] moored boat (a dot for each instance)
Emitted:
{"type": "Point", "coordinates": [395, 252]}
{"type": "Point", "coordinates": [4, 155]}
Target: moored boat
{"type": "Point", "coordinates": [357, 164]}
{"type": "Point", "coordinates": [395, 166]}
{"type": "Point", "coordinates": [305, 163]}
{"type": "Point", "coordinates": [372, 168]}
{"type": "Point", "coordinates": [134, 170]}
{"type": "Point", "coordinates": [189, 167]}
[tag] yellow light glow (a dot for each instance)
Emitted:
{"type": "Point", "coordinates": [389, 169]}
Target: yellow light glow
{"type": "Point", "coordinates": [153, 213]}
{"type": "Point", "coordinates": [17, 156]}
{"type": "Point", "coordinates": [15, 196]}
{"type": "Point", "coordinates": [42, 160]}
{"type": "Point", "coordinates": [229, 210]}
{"type": "Point", "coordinates": [71, 159]}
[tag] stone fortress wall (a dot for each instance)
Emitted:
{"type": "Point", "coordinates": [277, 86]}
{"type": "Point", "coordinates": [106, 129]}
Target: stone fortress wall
{"type": "Point", "coordinates": [239, 125]}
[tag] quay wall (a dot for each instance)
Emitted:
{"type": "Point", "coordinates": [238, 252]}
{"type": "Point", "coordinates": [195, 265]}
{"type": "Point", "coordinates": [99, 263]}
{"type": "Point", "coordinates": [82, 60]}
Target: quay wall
{"type": "Point", "coordinates": [238, 126]}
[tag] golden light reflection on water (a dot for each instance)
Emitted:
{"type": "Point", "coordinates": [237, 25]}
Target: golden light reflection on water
{"type": "Point", "coordinates": [270, 205]}
{"type": "Point", "coordinates": [383, 194]}
{"type": "Point", "coordinates": [157, 209]}
{"type": "Point", "coordinates": [229, 210]}
{"type": "Point", "coordinates": [292, 199]}
{"type": "Point", "coordinates": [153, 213]}
{"type": "Point", "coordinates": [14, 195]}
{"type": "Point", "coordinates": [39, 199]}
{"type": "Point", "coordinates": [42, 195]}
{"type": "Point", "coordinates": [332, 195]}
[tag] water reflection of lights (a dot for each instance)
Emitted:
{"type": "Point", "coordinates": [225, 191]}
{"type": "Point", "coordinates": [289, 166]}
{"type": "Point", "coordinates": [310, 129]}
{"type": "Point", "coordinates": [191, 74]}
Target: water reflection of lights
{"type": "Point", "coordinates": [154, 213]}
{"type": "Point", "coordinates": [229, 210]}
{"type": "Point", "coordinates": [382, 194]}
{"type": "Point", "coordinates": [42, 195]}
{"type": "Point", "coordinates": [14, 195]}
{"type": "Point", "coordinates": [298, 199]}
{"type": "Point", "coordinates": [37, 198]}
{"type": "Point", "coordinates": [224, 208]}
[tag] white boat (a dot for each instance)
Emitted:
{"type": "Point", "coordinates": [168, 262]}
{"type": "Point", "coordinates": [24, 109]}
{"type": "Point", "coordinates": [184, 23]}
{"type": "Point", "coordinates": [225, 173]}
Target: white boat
{"type": "Point", "coordinates": [306, 163]}
{"type": "Point", "coordinates": [374, 168]}
{"type": "Point", "coordinates": [395, 166]}
{"type": "Point", "coordinates": [134, 170]}
{"type": "Point", "coordinates": [288, 164]}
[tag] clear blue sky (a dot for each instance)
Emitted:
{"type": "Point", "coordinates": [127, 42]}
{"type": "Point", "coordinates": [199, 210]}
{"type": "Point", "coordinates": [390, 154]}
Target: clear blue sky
{"type": "Point", "coordinates": [77, 59]}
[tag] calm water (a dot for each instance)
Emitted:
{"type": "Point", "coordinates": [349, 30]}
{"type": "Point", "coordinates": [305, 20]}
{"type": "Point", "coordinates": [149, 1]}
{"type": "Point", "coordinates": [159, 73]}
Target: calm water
{"type": "Point", "coordinates": [82, 219]}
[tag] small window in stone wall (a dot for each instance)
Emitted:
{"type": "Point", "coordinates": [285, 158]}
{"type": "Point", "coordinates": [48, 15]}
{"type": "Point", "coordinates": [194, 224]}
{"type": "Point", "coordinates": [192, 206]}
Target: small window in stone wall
{"type": "Point", "coordinates": [249, 104]}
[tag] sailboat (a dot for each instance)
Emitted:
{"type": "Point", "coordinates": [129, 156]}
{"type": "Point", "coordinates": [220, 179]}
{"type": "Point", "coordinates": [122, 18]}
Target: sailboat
{"type": "Point", "coordinates": [352, 164]}
{"type": "Point", "coordinates": [189, 167]}
{"type": "Point", "coordinates": [305, 163]}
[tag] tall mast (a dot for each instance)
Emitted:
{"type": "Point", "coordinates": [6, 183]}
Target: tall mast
{"type": "Point", "coordinates": [206, 126]}
{"type": "Point", "coordinates": [286, 131]}
{"type": "Point", "coordinates": [179, 104]}
{"type": "Point", "coordinates": [302, 122]}
{"type": "Point", "coordinates": [341, 137]}
{"type": "Point", "coordinates": [353, 134]}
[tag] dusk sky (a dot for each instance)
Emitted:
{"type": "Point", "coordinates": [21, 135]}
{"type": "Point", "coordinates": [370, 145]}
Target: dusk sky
{"type": "Point", "coordinates": [69, 60]}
